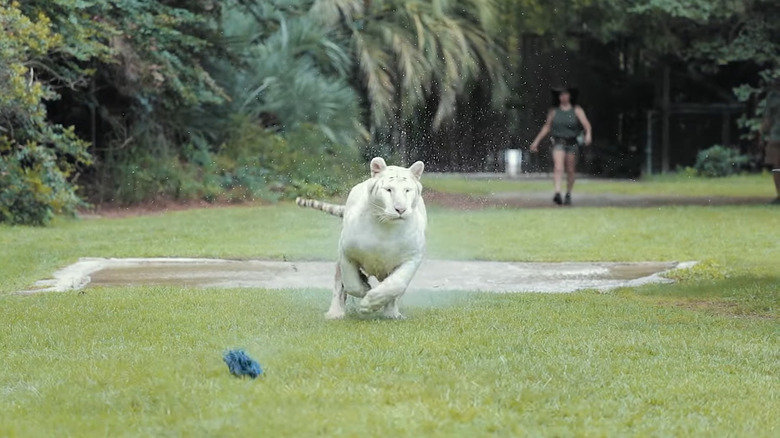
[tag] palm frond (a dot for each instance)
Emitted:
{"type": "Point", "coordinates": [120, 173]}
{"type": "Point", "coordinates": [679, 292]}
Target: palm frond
{"type": "Point", "coordinates": [296, 73]}
{"type": "Point", "coordinates": [331, 12]}
{"type": "Point", "coordinates": [374, 65]}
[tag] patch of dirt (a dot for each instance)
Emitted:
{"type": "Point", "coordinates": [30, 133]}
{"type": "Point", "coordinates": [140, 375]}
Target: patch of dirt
{"type": "Point", "coordinates": [720, 307]}
{"type": "Point", "coordinates": [544, 200]}
{"type": "Point", "coordinates": [156, 207]}
{"type": "Point", "coordinates": [455, 201]}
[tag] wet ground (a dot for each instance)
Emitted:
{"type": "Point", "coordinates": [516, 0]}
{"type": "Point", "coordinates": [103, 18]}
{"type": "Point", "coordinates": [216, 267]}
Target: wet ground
{"type": "Point", "coordinates": [544, 200]}
{"type": "Point", "coordinates": [441, 275]}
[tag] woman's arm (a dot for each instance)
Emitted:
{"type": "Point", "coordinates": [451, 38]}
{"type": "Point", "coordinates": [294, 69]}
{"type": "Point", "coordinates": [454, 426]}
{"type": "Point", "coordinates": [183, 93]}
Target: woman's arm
{"type": "Point", "coordinates": [544, 131]}
{"type": "Point", "coordinates": [766, 123]}
{"type": "Point", "coordinates": [585, 124]}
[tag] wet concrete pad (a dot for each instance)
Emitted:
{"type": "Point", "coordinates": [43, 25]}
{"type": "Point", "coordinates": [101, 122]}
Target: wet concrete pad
{"type": "Point", "coordinates": [443, 275]}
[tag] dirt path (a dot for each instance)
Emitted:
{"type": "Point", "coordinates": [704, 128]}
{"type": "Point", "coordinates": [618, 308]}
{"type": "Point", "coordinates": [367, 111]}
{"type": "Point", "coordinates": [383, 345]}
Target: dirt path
{"type": "Point", "coordinates": [544, 200]}
{"type": "Point", "coordinates": [448, 200]}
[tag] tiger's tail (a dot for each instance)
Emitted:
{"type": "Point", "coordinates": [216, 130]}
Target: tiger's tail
{"type": "Point", "coordinates": [335, 210]}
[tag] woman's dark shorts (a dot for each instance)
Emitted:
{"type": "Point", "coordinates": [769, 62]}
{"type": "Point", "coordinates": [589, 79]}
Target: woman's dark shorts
{"type": "Point", "coordinates": [568, 145]}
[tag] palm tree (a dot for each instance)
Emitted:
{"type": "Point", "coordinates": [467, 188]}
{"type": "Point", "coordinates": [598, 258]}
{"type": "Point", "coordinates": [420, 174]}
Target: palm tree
{"type": "Point", "coordinates": [408, 51]}
{"type": "Point", "coordinates": [291, 72]}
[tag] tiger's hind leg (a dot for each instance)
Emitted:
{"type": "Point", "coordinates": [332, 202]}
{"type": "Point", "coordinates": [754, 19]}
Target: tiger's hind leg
{"type": "Point", "coordinates": [391, 310]}
{"type": "Point", "coordinates": [338, 304]}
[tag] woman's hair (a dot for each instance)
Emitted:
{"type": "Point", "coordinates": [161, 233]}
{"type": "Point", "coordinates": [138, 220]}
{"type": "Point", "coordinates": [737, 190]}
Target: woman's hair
{"type": "Point", "coordinates": [556, 95]}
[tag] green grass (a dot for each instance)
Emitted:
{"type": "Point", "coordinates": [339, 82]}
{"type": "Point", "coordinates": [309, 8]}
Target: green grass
{"type": "Point", "coordinates": [697, 358]}
{"type": "Point", "coordinates": [755, 185]}
{"type": "Point", "coordinates": [146, 362]}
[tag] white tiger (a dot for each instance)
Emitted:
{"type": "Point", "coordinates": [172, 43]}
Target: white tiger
{"type": "Point", "coordinates": [382, 235]}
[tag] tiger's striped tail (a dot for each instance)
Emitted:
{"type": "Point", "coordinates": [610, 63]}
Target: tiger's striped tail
{"type": "Point", "coordinates": [335, 210]}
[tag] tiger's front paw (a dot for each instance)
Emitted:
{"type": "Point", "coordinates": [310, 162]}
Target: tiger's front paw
{"type": "Point", "coordinates": [393, 314]}
{"type": "Point", "coordinates": [370, 304]}
{"type": "Point", "coordinates": [335, 314]}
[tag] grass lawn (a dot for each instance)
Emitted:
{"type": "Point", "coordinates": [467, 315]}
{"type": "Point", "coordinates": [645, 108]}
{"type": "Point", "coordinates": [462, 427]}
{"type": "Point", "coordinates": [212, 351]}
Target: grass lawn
{"type": "Point", "coordinates": [754, 185]}
{"type": "Point", "coordinates": [698, 358]}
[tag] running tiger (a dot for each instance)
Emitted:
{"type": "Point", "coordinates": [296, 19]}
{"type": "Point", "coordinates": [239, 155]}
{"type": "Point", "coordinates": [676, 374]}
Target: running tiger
{"type": "Point", "coordinates": [382, 235]}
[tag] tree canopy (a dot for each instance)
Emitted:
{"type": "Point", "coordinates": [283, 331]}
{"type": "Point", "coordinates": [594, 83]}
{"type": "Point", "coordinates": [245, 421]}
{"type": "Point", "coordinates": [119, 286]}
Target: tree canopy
{"type": "Point", "coordinates": [125, 101]}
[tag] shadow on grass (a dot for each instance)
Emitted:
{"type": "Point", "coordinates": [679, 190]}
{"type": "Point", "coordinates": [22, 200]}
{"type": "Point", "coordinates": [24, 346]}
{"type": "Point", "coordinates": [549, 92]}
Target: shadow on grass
{"type": "Point", "coordinates": [411, 302]}
{"type": "Point", "coordinates": [742, 295]}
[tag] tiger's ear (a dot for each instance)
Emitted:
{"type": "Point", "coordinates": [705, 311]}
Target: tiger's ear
{"type": "Point", "coordinates": [417, 169]}
{"type": "Point", "coordinates": [377, 165]}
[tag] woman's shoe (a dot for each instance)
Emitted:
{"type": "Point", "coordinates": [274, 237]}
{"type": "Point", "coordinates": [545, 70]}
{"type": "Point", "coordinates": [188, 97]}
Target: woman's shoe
{"type": "Point", "coordinates": [567, 199]}
{"type": "Point", "coordinates": [557, 199]}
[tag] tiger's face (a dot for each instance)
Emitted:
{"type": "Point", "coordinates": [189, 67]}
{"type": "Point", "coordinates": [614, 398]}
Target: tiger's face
{"type": "Point", "coordinates": [396, 191]}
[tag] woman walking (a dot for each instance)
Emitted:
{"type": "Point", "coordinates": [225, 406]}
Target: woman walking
{"type": "Point", "coordinates": [770, 134]}
{"type": "Point", "coordinates": [566, 122]}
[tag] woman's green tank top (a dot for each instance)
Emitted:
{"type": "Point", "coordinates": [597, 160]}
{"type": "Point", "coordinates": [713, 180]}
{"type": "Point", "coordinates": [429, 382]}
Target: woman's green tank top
{"type": "Point", "coordinates": [565, 124]}
{"type": "Point", "coordinates": [773, 112]}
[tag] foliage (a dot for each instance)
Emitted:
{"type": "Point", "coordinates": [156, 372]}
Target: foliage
{"type": "Point", "coordinates": [409, 51]}
{"type": "Point", "coordinates": [158, 87]}
{"type": "Point", "coordinates": [719, 161]}
{"type": "Point", "coordinates": [303, 162]}
{"type": "Point", "coordinates": [38, 159]}
{"type": "Point", "coordinates": [295, 75]}
{"type": "Point", "coordinates": [36, 179]}
{"type": "Point", "coordinates": [155, 85]}
{"type": "Point", "coordinates": [706, 35]}
{"type": "Point", "coordinates": [288, 125]}
{"type": "Point", "coordinates": [253, 163]}
{"type": "Point", "coordinates": [152, 51]}
{"type": "Point", "coordinates": [283, 78]}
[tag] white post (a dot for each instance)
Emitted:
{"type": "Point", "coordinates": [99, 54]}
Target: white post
{"type": "Point", "coordinates": [513, 159]}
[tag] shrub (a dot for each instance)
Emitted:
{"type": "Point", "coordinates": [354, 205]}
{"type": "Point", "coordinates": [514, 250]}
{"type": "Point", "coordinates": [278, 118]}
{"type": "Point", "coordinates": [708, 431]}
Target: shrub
{"type": "Point", "coordinates": [34, 180]}
{"type": "Point", "coordinates": [38, 159]}
{"type": "Point", "coordinates": [253, 163]}
{"type": "Point", "coordinates": [719, 161]}
{"type": "Point", "coordinates": [256, 162]}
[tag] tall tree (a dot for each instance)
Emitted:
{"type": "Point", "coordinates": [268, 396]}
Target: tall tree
{"type": "Point", "coordinates": [288, 71]}
{"type": "Point", "coordinates": [408, 51]}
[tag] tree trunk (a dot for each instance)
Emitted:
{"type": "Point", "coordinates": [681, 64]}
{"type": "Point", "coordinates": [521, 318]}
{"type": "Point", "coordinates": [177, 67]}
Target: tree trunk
{"type": "Point", "coordinates": [665, 110]}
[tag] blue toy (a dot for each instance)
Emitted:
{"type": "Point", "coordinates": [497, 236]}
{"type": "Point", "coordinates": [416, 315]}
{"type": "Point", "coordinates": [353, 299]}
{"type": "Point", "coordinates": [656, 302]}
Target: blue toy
{"type": "Point", "coordinates": [242, 365]}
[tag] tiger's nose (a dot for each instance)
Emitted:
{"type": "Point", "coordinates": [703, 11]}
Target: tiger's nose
{"type": "Point", "coordinates": [400, 210]}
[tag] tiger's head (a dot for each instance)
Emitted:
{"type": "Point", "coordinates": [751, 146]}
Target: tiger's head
{"type": "Point", "coordinates": [396, 190]}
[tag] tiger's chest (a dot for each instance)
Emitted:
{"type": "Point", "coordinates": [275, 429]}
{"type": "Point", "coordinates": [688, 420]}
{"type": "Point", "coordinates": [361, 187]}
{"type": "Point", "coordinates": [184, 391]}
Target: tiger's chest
{"type": "Point", "coordinates": [379, 250]}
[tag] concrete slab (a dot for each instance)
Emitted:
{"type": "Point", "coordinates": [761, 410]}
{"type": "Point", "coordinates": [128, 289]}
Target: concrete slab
{"type": "Point", "coordinates": [434, 275]}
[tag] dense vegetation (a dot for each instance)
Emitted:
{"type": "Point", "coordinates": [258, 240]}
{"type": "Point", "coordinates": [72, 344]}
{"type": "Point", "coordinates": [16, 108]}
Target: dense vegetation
{"type": "Point", "coordinates": [127, 101]}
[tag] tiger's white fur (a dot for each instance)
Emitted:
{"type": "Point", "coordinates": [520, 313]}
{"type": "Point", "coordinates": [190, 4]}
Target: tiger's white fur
{"type": "Point", "coordinates": [382, 235]}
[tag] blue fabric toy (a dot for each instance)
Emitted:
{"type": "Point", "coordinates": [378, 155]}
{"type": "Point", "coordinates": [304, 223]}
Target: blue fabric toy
{"type": "Point", "coordinates": [242, 365]}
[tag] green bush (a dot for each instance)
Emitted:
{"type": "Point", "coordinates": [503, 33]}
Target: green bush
{"type": "Point", "coordinates": [256, 162]}
{"type": "Point", "coordinates": [34, 180]}
{"type": "Point", "coordinates": [38, 158]}
{"type": "Point", "coordinates": [253, 163]}
{"type": "Point", "coordinates": [719, 161]}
